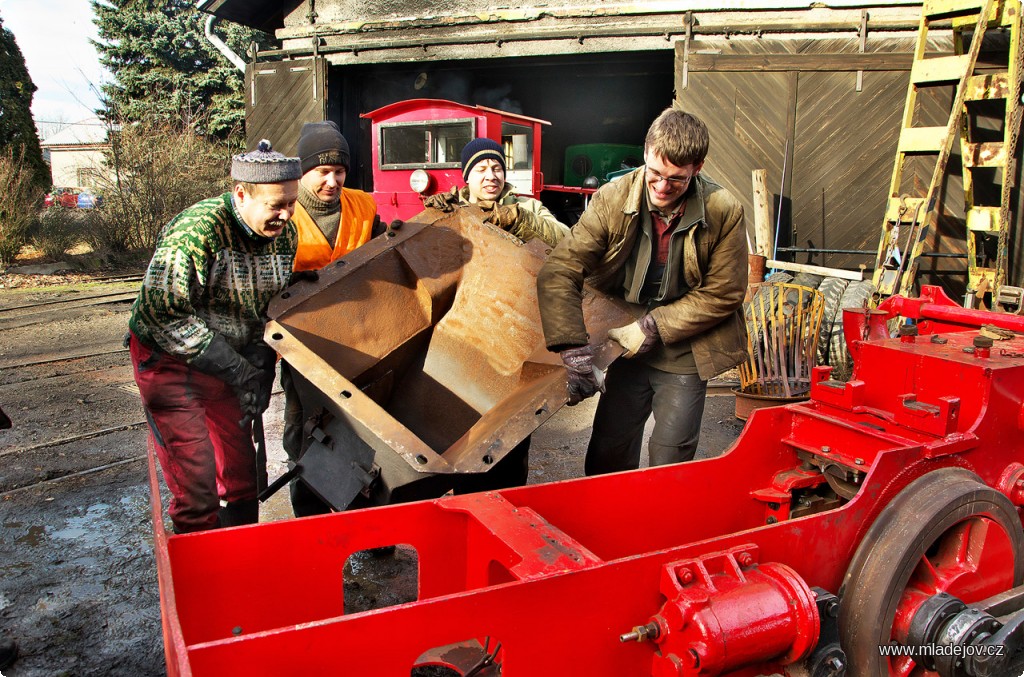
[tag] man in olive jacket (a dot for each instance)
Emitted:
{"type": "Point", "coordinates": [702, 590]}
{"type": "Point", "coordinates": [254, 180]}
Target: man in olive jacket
{"type": "Point", "coordinates": [673, 245]}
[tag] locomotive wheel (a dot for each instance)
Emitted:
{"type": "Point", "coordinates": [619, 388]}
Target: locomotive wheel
{"type": "Point", "coordinates": [945, 532]}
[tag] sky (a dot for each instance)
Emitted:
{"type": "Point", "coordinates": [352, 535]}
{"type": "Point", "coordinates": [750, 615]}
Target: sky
{"type": "Point", "coordinates": [54, 38]}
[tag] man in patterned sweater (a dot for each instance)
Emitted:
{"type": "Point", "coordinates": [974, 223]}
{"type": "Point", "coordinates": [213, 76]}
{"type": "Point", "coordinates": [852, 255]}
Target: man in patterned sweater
{"type": "Point", "coordinates": [196, 342]}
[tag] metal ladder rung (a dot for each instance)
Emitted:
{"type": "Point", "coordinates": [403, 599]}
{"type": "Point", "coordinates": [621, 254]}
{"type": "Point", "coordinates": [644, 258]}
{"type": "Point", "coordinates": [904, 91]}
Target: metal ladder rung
{"type": "Point", "coordinates": [946, 8]}
{"type": "Point", "coordinates": [939, 69]}
{"type": "Point", "coordinates": [892, 210]}
{"type": "Point", "coordinates": [989, 154]}
{"type": "Point", "coordinates": [992, 86]}
{"type": "Point", "coordinates": [921, 139]}
{"type": "Point", "coordinates": [981, 219]}
{"type": "Point", "coordinates": [977, 274]}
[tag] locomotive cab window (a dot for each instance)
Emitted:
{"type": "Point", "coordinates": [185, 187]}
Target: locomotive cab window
{"type": "Point", "coordinates": [429, 145]}
{"type": "Point", "coordinates": [517, 142]}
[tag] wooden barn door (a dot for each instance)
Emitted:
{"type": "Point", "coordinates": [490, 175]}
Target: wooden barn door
{"type": "Point", "coordinates": [281, 96]}
{"type": "Point", "coordinates": [795, 103]}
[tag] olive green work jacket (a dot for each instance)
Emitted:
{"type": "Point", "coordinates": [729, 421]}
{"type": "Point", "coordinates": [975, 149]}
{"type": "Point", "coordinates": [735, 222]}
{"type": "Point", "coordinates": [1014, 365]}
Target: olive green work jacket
{"type": "Point", "coordinates": [702, 314]}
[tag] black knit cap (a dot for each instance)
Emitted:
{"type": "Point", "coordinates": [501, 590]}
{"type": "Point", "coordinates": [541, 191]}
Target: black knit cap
{"type": "Point", "coordinates": [481, 149]}
{"type": "Point", "coordinates": [321, 143]}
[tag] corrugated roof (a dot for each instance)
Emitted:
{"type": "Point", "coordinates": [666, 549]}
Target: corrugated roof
{"type": "Point", "coordinates": [84, 133]}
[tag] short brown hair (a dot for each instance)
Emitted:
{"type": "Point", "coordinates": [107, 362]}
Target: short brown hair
{"type": "Point", "coordinates": [679, 137]}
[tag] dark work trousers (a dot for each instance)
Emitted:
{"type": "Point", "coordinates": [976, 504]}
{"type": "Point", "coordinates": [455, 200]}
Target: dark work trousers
{"type": "Point", "coordinates": [304, 501]}
{"type": "Point", "coordinates": [193, 421]}
{"type": "Point", "coordinates": [633, 390]}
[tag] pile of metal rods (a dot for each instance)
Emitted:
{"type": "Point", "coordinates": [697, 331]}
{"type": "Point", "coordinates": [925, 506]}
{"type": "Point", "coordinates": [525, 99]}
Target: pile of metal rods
{"type": "Point", "coordinates": [782, 340]}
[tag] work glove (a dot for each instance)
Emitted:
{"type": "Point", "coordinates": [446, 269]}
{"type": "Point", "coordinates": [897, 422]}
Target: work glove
{"type": "Point", "coordinates": [264, 358]}
{"type": "Point", "coordinates": [303, 276]}
{"type": "Point", "coordinates": [504, 216]}
{"type": "Point", "coordinates": [379, 227]}
{"type": "Point", "coordinates": [637, 338]}
{"type": "Point", "coordinates": [583, 379]}
{"type": "Point", "coordinates": [222, 361]}
{"type": "Point", "coordinates": [446, 202]}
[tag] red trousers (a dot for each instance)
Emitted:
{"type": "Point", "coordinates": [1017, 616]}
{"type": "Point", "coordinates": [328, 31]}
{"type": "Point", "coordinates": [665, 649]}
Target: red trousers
{"type": "Point", "coordinates": [193, 421]}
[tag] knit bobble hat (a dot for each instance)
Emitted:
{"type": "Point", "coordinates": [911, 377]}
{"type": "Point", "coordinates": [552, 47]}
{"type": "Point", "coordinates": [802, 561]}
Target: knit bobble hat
{"type": "Point", "coordinates": [321, 143]}
{"type": "Point", "coordinates": [264, 165]}
{"type": "Point", "coordinates": [481, 149]}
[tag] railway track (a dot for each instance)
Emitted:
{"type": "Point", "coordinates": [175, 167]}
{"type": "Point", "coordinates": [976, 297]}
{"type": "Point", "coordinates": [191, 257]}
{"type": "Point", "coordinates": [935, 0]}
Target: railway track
{"type": "Point", "coordinates": [59, 309]}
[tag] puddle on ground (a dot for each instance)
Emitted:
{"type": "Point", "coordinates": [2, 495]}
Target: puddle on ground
{"type": "Point", "coordinates": [34, 536]}
{"type": "Point", "coordinates": [85, 525]}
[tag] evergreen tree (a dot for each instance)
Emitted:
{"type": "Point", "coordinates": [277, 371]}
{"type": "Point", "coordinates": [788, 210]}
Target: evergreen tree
{"type": "Point", "coordinates": [17, 131]}
{"type": "Point", "coordinates": [164, 68]}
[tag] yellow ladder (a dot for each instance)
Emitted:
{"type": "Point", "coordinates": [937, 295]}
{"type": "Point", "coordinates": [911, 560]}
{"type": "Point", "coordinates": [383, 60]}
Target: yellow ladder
{"type": "Point", "coordinates": [919, 214]}
{"type": "Point", "coordinates": [992, 221]}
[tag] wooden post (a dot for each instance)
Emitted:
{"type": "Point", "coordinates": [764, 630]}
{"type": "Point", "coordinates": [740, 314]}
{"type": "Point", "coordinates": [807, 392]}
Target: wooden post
{"type": "Point", "coordinates": [762, 214]}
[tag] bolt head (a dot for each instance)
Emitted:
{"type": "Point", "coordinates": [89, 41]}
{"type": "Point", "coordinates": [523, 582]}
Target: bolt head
{"type": "Point", "coordinates": [836, 666]}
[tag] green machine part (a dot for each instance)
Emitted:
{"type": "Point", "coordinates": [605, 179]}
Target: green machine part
{"type": "Point", "coordinates": [599, 159]}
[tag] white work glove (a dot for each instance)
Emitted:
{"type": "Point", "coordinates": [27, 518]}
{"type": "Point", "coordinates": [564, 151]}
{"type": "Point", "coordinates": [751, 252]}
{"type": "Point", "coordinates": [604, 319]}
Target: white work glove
{"type": "Point", "coordinates": [637, 338]}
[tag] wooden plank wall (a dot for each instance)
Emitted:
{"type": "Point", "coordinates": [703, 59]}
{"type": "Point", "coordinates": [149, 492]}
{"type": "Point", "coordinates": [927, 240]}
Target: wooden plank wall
{"type": "Point", "coordinates": [841, 142]}
{"type": "Point", "coordinates": [281, 96]}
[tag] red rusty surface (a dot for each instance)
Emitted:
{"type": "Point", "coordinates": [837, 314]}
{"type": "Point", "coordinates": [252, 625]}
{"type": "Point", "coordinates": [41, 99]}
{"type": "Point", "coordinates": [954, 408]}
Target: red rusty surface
{"type": "Point", "coordinates": [557, 572]}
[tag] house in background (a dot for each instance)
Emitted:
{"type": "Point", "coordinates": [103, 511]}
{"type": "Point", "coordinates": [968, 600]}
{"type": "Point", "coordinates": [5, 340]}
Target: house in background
{"type": "Point", "coordinates": [76, 154]}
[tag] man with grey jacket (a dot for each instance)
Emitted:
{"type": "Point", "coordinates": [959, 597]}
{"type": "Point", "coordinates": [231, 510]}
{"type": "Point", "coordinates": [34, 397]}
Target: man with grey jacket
{"type": "Point", "coordinates": [672, 244]}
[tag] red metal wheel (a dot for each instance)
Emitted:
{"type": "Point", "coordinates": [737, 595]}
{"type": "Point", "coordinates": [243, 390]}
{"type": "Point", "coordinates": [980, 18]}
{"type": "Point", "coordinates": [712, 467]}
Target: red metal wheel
{"type": "Point", "coordinates": [945, 532]}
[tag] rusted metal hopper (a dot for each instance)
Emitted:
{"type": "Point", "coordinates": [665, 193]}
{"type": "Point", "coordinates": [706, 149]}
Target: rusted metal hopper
{"type": "Point", "coordinates": [421, 358]}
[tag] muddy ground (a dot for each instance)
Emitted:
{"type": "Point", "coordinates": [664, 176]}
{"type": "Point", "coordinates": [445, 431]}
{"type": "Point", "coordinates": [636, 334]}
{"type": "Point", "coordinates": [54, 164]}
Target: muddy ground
{"type": "Point", "coordinates": [78, 587]}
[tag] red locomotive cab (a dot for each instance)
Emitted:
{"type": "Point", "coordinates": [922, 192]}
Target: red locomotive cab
{"type": "Point", "coordinates": [417, 146]}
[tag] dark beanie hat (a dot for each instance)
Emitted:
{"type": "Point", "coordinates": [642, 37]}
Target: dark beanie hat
{"type": "Point", "coordinates": [321, 143]}
{"type": "Point", "coordinates": [481, 149]}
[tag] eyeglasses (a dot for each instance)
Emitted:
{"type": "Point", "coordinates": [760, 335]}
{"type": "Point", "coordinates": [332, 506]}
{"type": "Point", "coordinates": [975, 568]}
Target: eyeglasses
{"type": "Point", "coordinates": [674, 181]}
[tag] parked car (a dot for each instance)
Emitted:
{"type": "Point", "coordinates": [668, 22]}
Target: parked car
{"type": "Point", "coordinates": [61, 197]}
{"type": "Point", "coordinates": [87, 200]}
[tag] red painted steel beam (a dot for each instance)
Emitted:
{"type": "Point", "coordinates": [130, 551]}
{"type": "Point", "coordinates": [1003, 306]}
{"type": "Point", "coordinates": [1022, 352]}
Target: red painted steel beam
{"type": "Point", "coordinates": [558, 572]}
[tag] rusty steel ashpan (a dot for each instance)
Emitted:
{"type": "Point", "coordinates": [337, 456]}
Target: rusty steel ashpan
{"type": "Point", "coordinates": [420, 358]}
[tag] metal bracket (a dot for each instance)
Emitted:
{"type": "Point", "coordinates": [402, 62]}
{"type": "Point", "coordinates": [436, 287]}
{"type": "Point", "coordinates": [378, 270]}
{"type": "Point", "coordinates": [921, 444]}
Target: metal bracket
{"type": "Point", "coordinates": [862, 34]}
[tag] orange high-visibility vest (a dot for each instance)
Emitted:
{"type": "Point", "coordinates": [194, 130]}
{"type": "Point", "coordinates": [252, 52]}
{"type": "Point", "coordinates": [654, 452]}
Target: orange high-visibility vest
{"type": "Point", "coordinates": [314, 251]}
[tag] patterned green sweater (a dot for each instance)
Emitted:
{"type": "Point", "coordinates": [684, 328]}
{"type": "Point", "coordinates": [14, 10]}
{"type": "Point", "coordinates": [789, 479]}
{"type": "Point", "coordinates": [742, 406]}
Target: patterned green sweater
{"type": "Point", "coordinates": [210, 274]}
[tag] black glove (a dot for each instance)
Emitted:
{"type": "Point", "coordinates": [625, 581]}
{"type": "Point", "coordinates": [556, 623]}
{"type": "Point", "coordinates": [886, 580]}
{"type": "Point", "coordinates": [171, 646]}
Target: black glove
{"type": "Point", "coordinates": [446, 202]}
{"type": "Point", "coordinates": [222, 361]}
{"type": "Point", "coordinates": [583, 380]}
{"type": "Point", "coordinates": [304, 276]}
{"type": "Point", "coordinates": [378, 226]}
{"type": "Point", "coordinates": [264, 358]}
